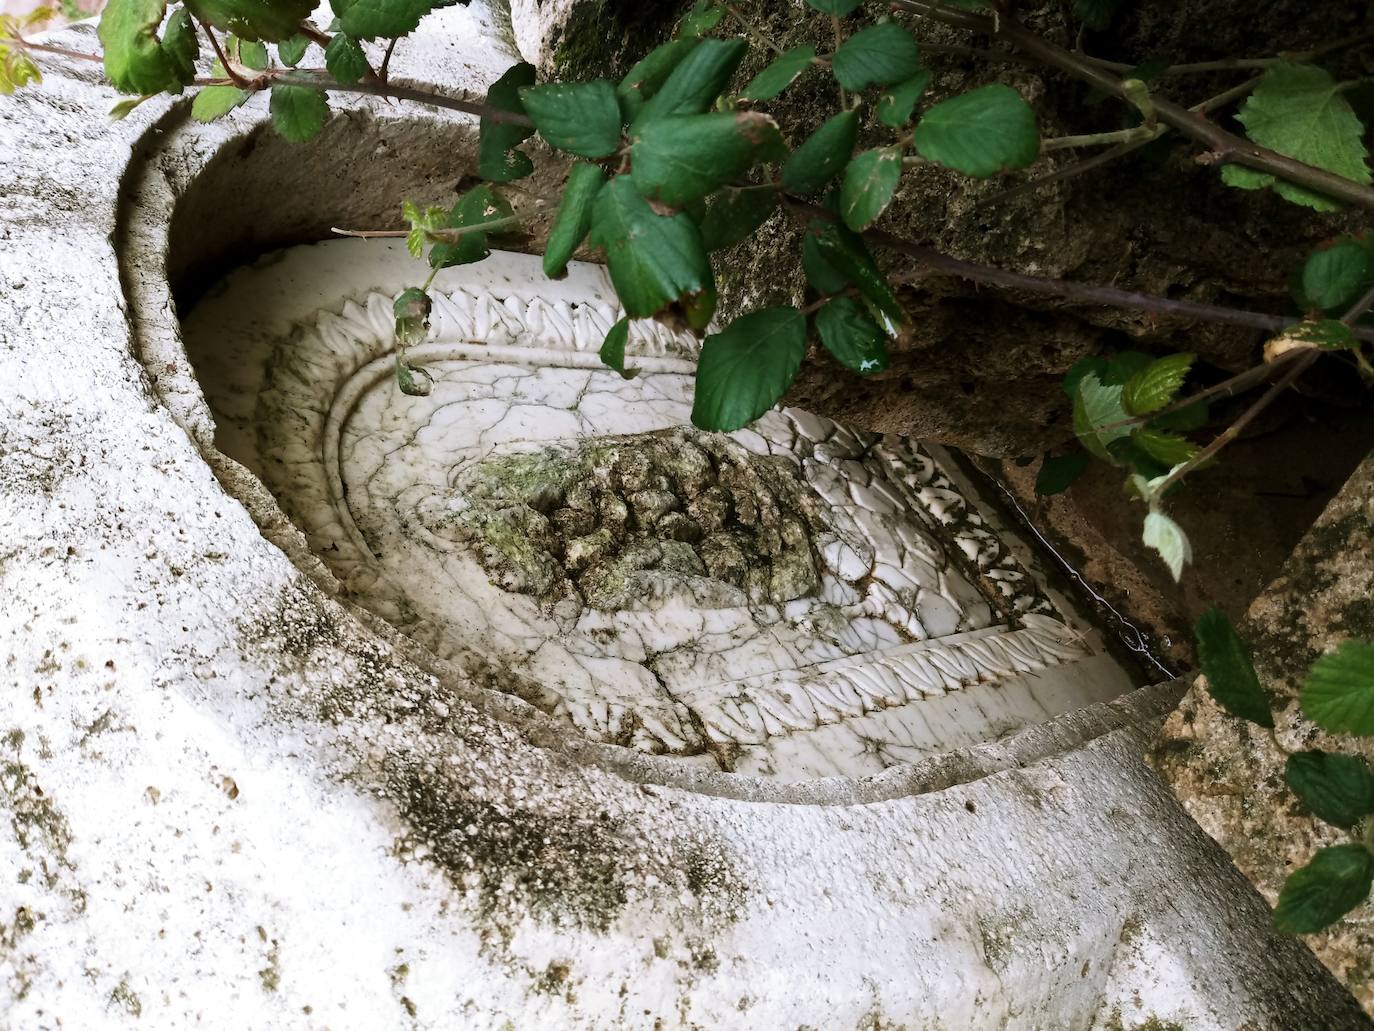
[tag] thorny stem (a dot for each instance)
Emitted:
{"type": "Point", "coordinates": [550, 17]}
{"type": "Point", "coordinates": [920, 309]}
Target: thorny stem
{"type": "Point", "coordinates": [234, 77]}
{"type": "Point", "coordinates": [1240, 63]}
{"type": "Point", "coordinates": [448, 235]}
{"type": "Point", "coordinates": [1140, 134]}
{"type": "Point", "coordinates": [386, 58]}
{"type": "Point", "coordinates": [310, 78]}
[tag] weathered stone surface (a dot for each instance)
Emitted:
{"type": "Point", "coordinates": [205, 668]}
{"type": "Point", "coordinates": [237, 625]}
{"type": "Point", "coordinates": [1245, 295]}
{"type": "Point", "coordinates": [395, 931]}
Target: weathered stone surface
{"type": "Point", "coordinates": [1229, 774]}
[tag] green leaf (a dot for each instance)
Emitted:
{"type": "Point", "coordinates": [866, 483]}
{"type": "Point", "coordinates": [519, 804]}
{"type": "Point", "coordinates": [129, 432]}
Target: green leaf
{"type": "Point", "coordinates": [1339, 692]}
{"type": "Point", "coordinates": [1339, 789]}
{"type": "Point", "coordinates": [655, 261]}
{"type": "Point", "coordinates": [1331, 885]}
{"type": "Point", "coordinates": [298, 113]}
{"type": "Point", "coordinates": [1093, 363]}
{"type": "Point", "coordinates": [701, 19]}
{"type": "Point", "coordinates": [613, 349]}
{"type": "Point", "coordinates": [1167, 537]}
{"type": "Point", "coordinates": [1057, 474]}
{"type": "Point", "coordinates": [266, 20]}
{"type": "Point", "coordinates": [574, 218]}
{"type": "Point", "coordinates": [345, 60]}
{"type": "Point", "coordinates": [879, 55]}
{"type": "Point", "coordinates": [1166, 448]}
{"type": "Point", "coordinates": [824, 154]}
{"type": "Point", "coordinates": [373, 19]}
{"type": "Point", "coordinates": [1335, 277]}
{"type": "Point", "coordinates": [695, 83]}
{"type": "Point", "coordinates": [648, 76]}
{"type": "Point", "coordinates": [869, 182]}
{"type": "Point", "coordinates": [768, 83]}
{"type": "Point", "coordinates": [839, 8]}
{"type": "Point", "coordinates": [497, 159]}
{"type": "Point", "coordinates": [1230, 674]}
{"type": "Point", "coordinates": [217, 101]}
{"type": "Point", "coordinates": [1097, 409]}
{"type": "Point", "coordinates": [1326, 334]}
{"type": "Point", "coordinates": [734, 215]}
{"type": "Point", "coordinates": [678, 159]}
{"type": "Point", "coordinates": [897, 102]}
{"type": "Point", "coordinates": [745, 369]}
{"type": "Point", "coordinates": [292, 50]}
{"type": "Point", "coordinates": [1299, 111]}
{"type": "Point", "coordinates": [134, 58]}
{"type": "Point", "coordinates": [980, 133]}
{"type": "Point", "coordinates": [476, 207]}
{"type": "Point", "coordinates": [421, 223]}
{"type": "Point", "coordinates": [582, 118]}
{"type": "Point", "coordinates": [181, 45]}
{"type": "Point", "coordinates": [248, 53]}
{"type": "Point", "coordinates": [839, 255]}
{"type": "Point", "coordinates": [850, 335]}
{"type": "Point", "coordinates": [1157, 384]}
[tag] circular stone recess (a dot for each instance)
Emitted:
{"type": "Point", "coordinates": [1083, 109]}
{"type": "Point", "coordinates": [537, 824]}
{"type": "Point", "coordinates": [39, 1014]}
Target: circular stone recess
{"type": "Point", "coordinates": [793, 600]}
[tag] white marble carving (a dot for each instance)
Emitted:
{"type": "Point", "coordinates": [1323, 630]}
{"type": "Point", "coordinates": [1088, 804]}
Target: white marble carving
{"type": "Point", "coordinates": [789, 600]}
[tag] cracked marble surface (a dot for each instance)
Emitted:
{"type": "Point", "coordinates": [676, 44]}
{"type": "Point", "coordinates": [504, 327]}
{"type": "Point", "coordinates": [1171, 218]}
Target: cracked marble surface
{"type": "Point", "coordinates": [795, 599]}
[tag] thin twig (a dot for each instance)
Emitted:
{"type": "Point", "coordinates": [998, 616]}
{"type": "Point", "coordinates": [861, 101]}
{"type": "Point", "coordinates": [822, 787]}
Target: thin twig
{"type": "Point", "coordinates": [237, 79]}
{"type": "Point", "coordinates": [310, 77]}
{"type": "Point", "coordinates": [759, 35]}
{"type": "Point", "coordinates": [386, 58]}
{"type": "Point", "coordinates": [1139, 134]}
{"type": "Point", "coordinates": [44, 48]}
{"type": "Point", "coordinates": [450, 234]}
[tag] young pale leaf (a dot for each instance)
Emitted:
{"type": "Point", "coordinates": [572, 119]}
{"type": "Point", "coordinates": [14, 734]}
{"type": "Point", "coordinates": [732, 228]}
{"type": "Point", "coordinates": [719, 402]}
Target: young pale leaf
{"type": "Point", "coordinates": [298, 113]}
{"type": "Point", "coordinates": [1331, 885]}
{"type": "Point", "coordinates": [1057, 474]}
{"type": "Point", "coordinates": [678, 159]}
{"type": "Point", "coordinates": [217, 101]}
{"type": "Point", "coordinates": [1157, 384]}
{"type": "Point", "coordinates": [1339, 692]}
{"type": "Point", "coordinates": [574, 218]}
{"type": "Point", "coordinates": [879, 55]}
{"type": "Point", "coordinates": [701, 19]}
{"type": "Point", "coordinates": [1167, 537]}
{"type": "Point", "coordinates": [825, 152]}
{"type": "Point", "coordinates": [846, 257]}
{"type": "Point", "coordinates": [122, 108]}
{"type": "Point", "coordinates": [253, 19]}
{"type": "Point", "coordinates": [1166, 448]}
{"type": "Point", "coordinates": [744, 369]}
{"type": "Point", "coordinates": [1300, 111]}
{"type": "Point", "coordinates": [897, 102]}
{"type": "Point", "coordinates": [655, 261]}
{"type": "Point", "coordinates": [497, 159]}
{"type": "Point", "coordinates": [768, 83]}
{"type": "Point", "coordinates": [1231, 676]}
{"type": "Point", "coordinates": [582, 118]}
{"type": "Point", "coordinates": [374, 19]}
{"type": "Point", "coordinates": [869, 182]}
{"type": "Point", "coordinates": [695, 83]}
{"type": "Point", "coordinates": [1337, 276]}
{"type": "Point", "coordinates": [344, 59]}
{"type": "Point", "coordinates": [612, 351]}
{"type": "Point", "coordinates": [648, 76]}
{"type": "Point", "coordinates": [477, 207]}
{"type": "Point", "coordinates": [134, 58]}
{"type": "Point", "coordinates": [1097, 409]}
{"type": "Point", "coordinates": [1337, 788]}
{"type": "Point", "coordinates": [734, 215]}
{"type": "Point", "coordinates": [980, 133]}
{"type": "Point", "coordinates": [853, 337]}
{"type": "Point", "coordinates": [292, 50]}
{"type": "Point", "coordinates": [839, 8]}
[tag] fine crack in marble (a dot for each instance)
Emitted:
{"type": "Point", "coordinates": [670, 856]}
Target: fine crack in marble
{"type": "Point", "coordinates": [792, 599]}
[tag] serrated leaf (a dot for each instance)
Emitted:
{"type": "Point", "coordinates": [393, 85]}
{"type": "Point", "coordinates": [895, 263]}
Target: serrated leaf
{"type": "Point", "coordinates": [612, 351]}
{"type": "Point", "coordinates": [980, 133]}
{"type": "Point", "coordinates": [292, 50]}
{"type": "Point", "coordinates": [133, 56]}
{"type": "Point", "coordinates": [17, 70]}
{"type": "Point", "coordinates": [373, 19]}
{"type": "Point", "coordinates": [784, 71]}
{"type": "Point", "coordinates": [266, 20]}
{"type": "Point", "coordinates": [869, 183]}
{"type": "Point", "coordinates": [695, 82]}
{"type": "Point", "coordinates": [1299, 111]}
{"type": "Point", "coordinates": [1314, 334]}
{"type": "Point", "coordinates": [298, 113]}
{"type": "Point", "coordinates": [1097, 409]}
{"type": "Point", "coordinates": [1335, 277]}
{"type": "Point", "coordinates": [823, 156]}
{"type": "Point", "coordinates": [844, 253]}
{"type": "Point", "coordinates": [678, 159]}
{"type": "Point", "coordinates": [1338, 789]}
{"type": "Point", "coordinates": [839, 8]}
{"type": "Point", "coordinates": [1093, 363]}
{"type": "Point", "coordinates": [497, 159]}
{"type": "Point", "coordinates": [1157, 384]}
{"type": "Point", "coordinates": [582, 118]}
{"type": "Point", "coordinates": [655, 261]}
{"type": "Point", "coordinates": [1339, 692]}
{"type": "Point", "coordinates": [1230, 673]}
{"type": "Point", "coordinates": [733, 215]}
{"type": "Point", "coordinates": [1334, 882]}
{"type": "Point", "coordinates": [701, 19]}
{"type": "Point", "coordinates": [574, 218]}
{"type": "Point", "coordinates": [1057, 474]}
{"type": "Point", "coordinates": [345, 60]}
{"type": "Point", "coordinates": [848, 333]}
{"type": "Point", "coordinates": [249, 53]}
{"type": "Point", "coordinates": [217, 101]}
{"type": "Point", "coordinates": [744, 369]}
{"type": "Point", "coordinates": [649, 74]}
{"type": "Point", "coordinates": [1167, 538]}
{"type": "Point", "coordinates": [1167, 449]}
{"type": "Point", "coordinates": [477, 207]}
{"type": "Point", "coordinates": [879, 55]}
{"type": "Point", "coordinates": [897, 102]}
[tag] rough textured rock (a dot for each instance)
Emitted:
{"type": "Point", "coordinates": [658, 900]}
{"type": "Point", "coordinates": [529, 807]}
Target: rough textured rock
{"type": "Point", "coordinates": [1229, 774]}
